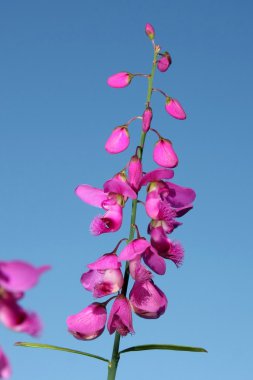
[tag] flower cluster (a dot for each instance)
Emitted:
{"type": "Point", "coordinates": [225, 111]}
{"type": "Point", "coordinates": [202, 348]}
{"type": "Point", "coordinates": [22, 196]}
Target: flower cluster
{"type": "Point", "coordinates": [16, 277]}
{"type": "Point", "coordinates": [165, 203]}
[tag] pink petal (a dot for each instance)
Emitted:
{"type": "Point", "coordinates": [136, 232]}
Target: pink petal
{"type": "Point", "coordinates": [174, 108]}
{"type": "Point", "coordinates": [135, 172]}
{"type": "Point", "coordinates": [107, 261]}
{"type": "Point", "coordinates": [120, 318]}
{"type": "Point", "coordinates": [91, 195]}
{"type": "Point", "coordinates": [156, 175]}
{"type": "Point", "coordinates": [118, 141]}
{"type": "Point", "coordinates": [117, 186]}
{"type": "Point", "coordinates": [110, 222]}
{"type": "Point", "coordinates": [89, 323]}
{"type": "Point", "coordinates": [102, 283]}
{"type": "Point", "coordinates": [19, 276]}
{"type": "Point", "coordinates": [138, 271]}
{"type": "Point", "coordinates": [154, 261]}
{"type": "Point", "coordinates": [133, 249]}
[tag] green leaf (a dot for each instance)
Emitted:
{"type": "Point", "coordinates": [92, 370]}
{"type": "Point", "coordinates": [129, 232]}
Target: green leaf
{"type": "Point", "coordinates": [50, 347]}
{"type": "Point", "coordinates": [163, 347]}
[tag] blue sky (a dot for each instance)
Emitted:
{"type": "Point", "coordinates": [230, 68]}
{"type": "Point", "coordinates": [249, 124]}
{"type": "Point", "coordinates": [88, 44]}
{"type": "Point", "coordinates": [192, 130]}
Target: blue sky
{"type": "Point", "coordinates": [56, 112]}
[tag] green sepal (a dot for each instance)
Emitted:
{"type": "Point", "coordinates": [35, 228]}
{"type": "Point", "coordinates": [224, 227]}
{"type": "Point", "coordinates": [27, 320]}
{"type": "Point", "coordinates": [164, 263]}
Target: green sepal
{"type": "Point", "coordinates": [57, 348]}
{"type": "Point", "coordinates": [172, 347]}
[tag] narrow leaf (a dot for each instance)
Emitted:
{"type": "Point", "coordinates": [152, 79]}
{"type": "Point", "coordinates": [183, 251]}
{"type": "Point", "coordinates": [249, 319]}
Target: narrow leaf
{"type": "Point", "coordinates": [50, 347]}
{"type": "Point", "coordinates": [163, 347]}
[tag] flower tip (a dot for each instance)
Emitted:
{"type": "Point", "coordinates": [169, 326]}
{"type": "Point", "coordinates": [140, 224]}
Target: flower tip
{"type": "Point", "coordinates": [150, 31]}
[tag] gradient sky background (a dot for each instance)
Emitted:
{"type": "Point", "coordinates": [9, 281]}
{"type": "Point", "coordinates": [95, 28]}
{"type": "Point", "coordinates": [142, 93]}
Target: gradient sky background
{"type": "Point", "coordinates": [56, 112]}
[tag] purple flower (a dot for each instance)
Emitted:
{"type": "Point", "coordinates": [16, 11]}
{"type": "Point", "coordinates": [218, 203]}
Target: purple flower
{"type": "Point", "coordinates": [89, 323]}
{"type": "Point", "coordinates": [120, 318]}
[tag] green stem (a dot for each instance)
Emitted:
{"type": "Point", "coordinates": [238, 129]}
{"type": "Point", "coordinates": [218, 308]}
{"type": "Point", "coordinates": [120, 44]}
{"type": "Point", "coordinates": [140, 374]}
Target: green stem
{"type": "Point", "coordinates": [113, 364]}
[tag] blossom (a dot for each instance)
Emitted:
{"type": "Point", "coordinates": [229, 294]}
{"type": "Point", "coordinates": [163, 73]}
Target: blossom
{"type": "Point", "coordinates": [164, 63]}
{"type": "Point", "coordinates": [120, 80]}
{"type": "Point", "coordinates": [89, 323]}
{"type": "Point", "coordinates": [147, 300]}
{"type": "Point", "coordinates": [111, 221]}
{"type": "Point", "coordinates": [5, 368]}
{"type": "Point", "coordinates": [120, 318]}
{"type": "Point", "coordinates": [164, 154]}
{"type": "Point", "coordinates": [104, 276]}
{"type": "Point", "coordinates": [150, 31]}
{"type": "Point", "coordinates": [135, 172]}
{"type": "Point", "coordinates": [146, 119]}
{"type": "Point", "coordinates": [174, 108]}
{"type": "Point", "coordinates": [118, 141]}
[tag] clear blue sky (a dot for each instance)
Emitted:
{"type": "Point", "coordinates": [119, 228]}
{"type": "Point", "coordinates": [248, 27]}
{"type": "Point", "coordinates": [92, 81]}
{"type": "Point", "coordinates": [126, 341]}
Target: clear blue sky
{"type": "Point", "coordinates": [56, 113]}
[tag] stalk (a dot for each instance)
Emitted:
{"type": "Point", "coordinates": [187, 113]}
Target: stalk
{"type": "Point", "coordinates": [113, 364]}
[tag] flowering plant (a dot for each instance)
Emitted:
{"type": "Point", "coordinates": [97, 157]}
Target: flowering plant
{"type": "Point", "coordinates": [165, 204]}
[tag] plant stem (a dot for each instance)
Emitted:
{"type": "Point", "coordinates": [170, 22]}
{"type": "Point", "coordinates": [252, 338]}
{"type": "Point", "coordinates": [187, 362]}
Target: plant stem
{"type": "Point", "coordinates": [112, 367]}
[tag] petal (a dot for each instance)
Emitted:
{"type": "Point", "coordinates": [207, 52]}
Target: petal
{"type": "Point", "coordinates": [133, 249]}
{"type": "Point", "coordinates": [154, 261]}
{"type": "Point", "coordinates": [110, 222]}
{"type": "Point", "coordinates": [5, 368]}
{"type": "Point", "coordinates": [117, 186]}
{"type": "Point", "coordinates": [120, 80]}
{"type": "Point", "coordinates": [120, 318]}
{"type": "Point", "coordinates": [107, 261]}
{"type": "Point", "coordinates": [174, 108]}
{"type": "Point", "coordinates": [91, 195]}
{"type": "Point", "coordinates": [138, 271]}
{"type": "Point", "coordinates": [164, 154]}
{"type": "Point", "coordinates": [19, 276]}
{"type": "Point", "coordinates": [180, 196]}
{"type": "Point", "coordinates": [118, 141]}
{"type": "Point", "coordinates": [156, 175]}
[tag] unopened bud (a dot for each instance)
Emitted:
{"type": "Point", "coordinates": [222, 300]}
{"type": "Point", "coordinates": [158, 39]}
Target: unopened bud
{"type": "Point", "coordinates": [174, 108]}
{"type": "Point", "coordinates": [164, 63]}
{"type": "Point", "coordinates": [120, 80]}
{"type": "Point", "coordinates": [164, 154]}
{"type": "Point", "coordinates": [146, 119]}
{"type": "Point", "coordinates": [150, 31]}
{"type": "Point", "coordinates": [118, 141]}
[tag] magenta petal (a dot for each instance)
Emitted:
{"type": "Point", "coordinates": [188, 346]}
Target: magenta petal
{"type": "Point", "coordinates": [118, 186]}
{"type": "Point", "coordinates": [133, 249]}
{"type": "Point", "coordinates": [154, 261]}
{"type": "Point", "coordinates": [118, 141]}
{"type": "Point", "coordinates": [164, 154]}
{"type": "Point", "coordinates": [102, 283]}
{"type": "Point", "coordinates": [110, 222]}
{"type": "Point", "coordinates": [5, 368]}
{"type": "Point", "coordinates": [147, 300]}
{"type": "Point", "coordinates": [89, 323]}
{"type": "Point", "coordinates": [174, 108]}
{"type": "Point", "coordinates": [180, 196]}
{"type": "Point", "coordinates": [138, 271]}
{"type": "Point", "coordinates": [156, 175]}
{"type": "Point", "coordinates": [146, 119]}
{"type": "Point", "coordinates": [120, 318]}
{"type": "Point", "coordinates": [107, 261]}
{"type": "Point", "coordinates": [135, 172]}
{"type": "Point", "coordinates": [19, 276]}
{"type": "Point", "coordinates": [91, 195]}
{"type": "Point", "coordinates": [120, 80]}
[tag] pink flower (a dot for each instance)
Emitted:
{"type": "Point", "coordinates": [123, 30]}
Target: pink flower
{"type": "Point", "coordinates": [104, 276]}
{"type": "Point", "coordinates": [120, 80]}
{"type": "Point", "coordinates": [111, 221]}
{"type": "Point", "coordinates": [5, 368]}
{"type": "Point", "coordinates": [150, 31]}
{"type": "Point", "coordinates": [89, 323]}
{"type": "Point", "coordinates": [138, 271]}
{"type": "Point", "coordinates": [120, 318]}
{"type": "Point", "coordinates": [147, 300]}
{"type": "Point", "coordinates": [118, 141]}
{"type": "Point", "coordinates": [164, 154]}
{"type": "Point", "coordinates": [146, 119]}
{"type": "Point", "coordinates": [174, 108]}
{"type": "Point", "coordinates": [164, 62]}
{"type": "Point", "coordinates": [135, 172]}
{"type": "Point", "coordinates": [165, 247]}
{"type": "Point", "coordinates": [154, 261]}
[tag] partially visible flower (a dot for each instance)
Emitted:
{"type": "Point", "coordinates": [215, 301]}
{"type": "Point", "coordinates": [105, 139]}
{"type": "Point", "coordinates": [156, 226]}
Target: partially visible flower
{"type": "Point", "coordinates": [120, 80]}
{"type": "Point", "coordinates": [150, 31]}
{"type": "Point", "coordinates": [164, 63]}
{"type": "Point", "coordinates": [118, 141]}
{"type": "Point", "coordinates": [104, 276]}
{"type": "Point", "coordinates": [146, 119]}
{"type": "Point", "coordinates": [5, 368]}
{"type": "Point", "coordinates": [174, 108]}
{"type": "Point", "coordinates": [164, 154]}
{"type": "Point", "coordinates": [89, 323]}
{"type": "Point", "coordinates": [135, 172]}
{"type": "Point", "coordinates": [111, 221]}
{"type": "Point", "coordinates": [154, 261]}
{"type": "Point", "coordinates": [133, 249]}
{"type": "Point", "coordinates": [147, 300]}
{"type": "Point", "coordinates": [14, 317]}
{"type": "Point", "coordinates": [138, 271]}
{"type": "Point", "coordinates": [120, 318]}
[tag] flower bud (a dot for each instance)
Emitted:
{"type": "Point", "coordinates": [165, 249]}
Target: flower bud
{"type": "Point", "coordinates": [146, 119]}
{"type": "Point", "coordinates": [120, 318]}
{"type": "Point", "coordinates": [89, 323]}
{"type": "Point", "coordinates": [150, 31]}
{"type": "Point", "coordinates": [164, 154]}
{"type": "Point", "coordinates": [118, 141]}
{"type": "Point", "coordinates": [120, 80]}
{"type": "Point", "coordinates": [174, 108]}
{"type": "Point", "coordinates": [147, 300]}
{"type": "Point", "coordinates": [164, 63]}
{"type": "Point", "coordinates": [135, 172]}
